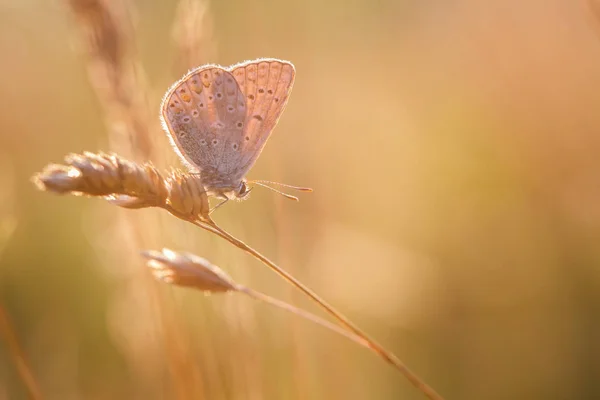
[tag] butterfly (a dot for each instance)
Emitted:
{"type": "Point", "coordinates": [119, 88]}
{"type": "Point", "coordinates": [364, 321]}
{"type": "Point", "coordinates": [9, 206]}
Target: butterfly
{"type": "Point", "coordinates": [219, 119]}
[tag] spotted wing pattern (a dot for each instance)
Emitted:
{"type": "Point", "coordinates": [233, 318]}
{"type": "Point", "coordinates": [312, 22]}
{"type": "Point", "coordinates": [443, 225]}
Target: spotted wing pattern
{"type": "Point", "coordinates": [219, 119]}
{"type": "Point", "coordinates": [266, 84]}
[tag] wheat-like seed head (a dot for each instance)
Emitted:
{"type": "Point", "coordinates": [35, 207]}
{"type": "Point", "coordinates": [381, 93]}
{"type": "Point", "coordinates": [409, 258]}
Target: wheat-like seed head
{"type": "Point", "coordinates": [186, 269]}
{"type": "Point", "coordinates": [187, 195]}
{"type": "Point", "coordinates": [126, 184]}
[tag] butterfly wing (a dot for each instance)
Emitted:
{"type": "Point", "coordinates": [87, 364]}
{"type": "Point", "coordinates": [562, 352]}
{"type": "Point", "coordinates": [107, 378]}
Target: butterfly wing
{"type": "Point", "coordinates": [204, 114]}
{"type": "Point", "coordinates": [219, 120]}
{"type": "Point", "coordinates": [266, 85]}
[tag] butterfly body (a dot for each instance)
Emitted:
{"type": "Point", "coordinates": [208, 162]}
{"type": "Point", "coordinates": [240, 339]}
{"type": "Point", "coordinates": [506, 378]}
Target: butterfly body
{"type": "Point", "coordinates": [222, 187]}
{"type": "Point", "coordinates": [220, 118]}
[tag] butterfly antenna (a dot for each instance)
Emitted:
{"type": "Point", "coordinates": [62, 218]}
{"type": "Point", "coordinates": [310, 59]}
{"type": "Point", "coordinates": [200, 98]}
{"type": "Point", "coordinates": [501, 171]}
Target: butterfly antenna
{"type": "Point", "coordinates": [301, 189]}
{"type": "Point", "coordinates": [287, 196]}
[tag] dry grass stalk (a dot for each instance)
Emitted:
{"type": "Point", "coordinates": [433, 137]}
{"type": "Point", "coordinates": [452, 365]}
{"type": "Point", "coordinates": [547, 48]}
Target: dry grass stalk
{"type": "Point", "coordinates": [111, 176]}
{"type": "Point", "coordinates": [594, 7]}
{"type": "Point", "coordinates": [126, 184]}
{"type": "Point", "coordinates": [8, 200]}
{"type": "Point", "coordinates": [117, 79]}
{"type": "Point", "coordinates": [187, 197]}
{"type": "Point", "coordinates": [187, 269]}
{"type": "Point", "coordinates": [131, 185]}
{"type": "Point", "coordinates": [193, 34]}
{"type": "Point", "coordinates": [351, 331]}
{"type": "Point", "coordinates": [18, 355]}
{"type": "Point", "coordinates": [341, 318]}
{"type": "Point", "coordinates": [115, 73]}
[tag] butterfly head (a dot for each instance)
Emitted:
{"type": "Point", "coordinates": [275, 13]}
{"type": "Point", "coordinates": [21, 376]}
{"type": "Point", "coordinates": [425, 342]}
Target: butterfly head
{"type": "Point", "coordinates": [239, 192]}
{"type": "Point", "coordinates": [242, 191]}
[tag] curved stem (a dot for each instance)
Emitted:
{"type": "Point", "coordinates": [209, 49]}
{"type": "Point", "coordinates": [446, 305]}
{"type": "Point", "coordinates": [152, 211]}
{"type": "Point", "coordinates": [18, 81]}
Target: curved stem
{"type": "Point", "coordinates": [304, 314]}
{"type": "Point", "coordinates": [371, 343]}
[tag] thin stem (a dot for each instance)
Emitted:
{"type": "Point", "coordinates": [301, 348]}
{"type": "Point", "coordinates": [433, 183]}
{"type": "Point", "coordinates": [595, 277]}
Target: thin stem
{"type": "Point", "coordinates": [304, 314]}
{"type": "Point", "coordinates": [594, 7]}
{"type": "Point", "coordinates": [19, 356]}
{"type": "Point", "coordinates": [371, 343]}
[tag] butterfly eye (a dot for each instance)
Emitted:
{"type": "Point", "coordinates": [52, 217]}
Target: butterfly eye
{"type": "Point", "coordinates": [186, 119]}
{"type": "Point", "coordinates": [239, 124]}
{"type": "Point", "coordinates": [234, 146]}
{"type": "Point", "coordinates": [243, 190]}
{"type": "Point", "coordinates": [203, 142]}
{"type": "Point", "coordinates": [195, 113]}
{"type": "Point", "coordinates": [230, 108]}
{"type": "Point", "coordinates": [215, 142]}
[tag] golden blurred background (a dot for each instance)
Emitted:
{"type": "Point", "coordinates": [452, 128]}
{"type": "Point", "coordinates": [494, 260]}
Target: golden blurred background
{"type": "Point", "coordinates": [454, 150]}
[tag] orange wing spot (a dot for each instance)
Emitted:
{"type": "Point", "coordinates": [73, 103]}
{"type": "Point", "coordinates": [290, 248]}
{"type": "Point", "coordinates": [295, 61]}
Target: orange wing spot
{"type": "Point", "coordinates": [186, 98]}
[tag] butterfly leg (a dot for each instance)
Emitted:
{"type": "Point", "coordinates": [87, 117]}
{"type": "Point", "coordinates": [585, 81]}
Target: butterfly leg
{"type": "Point", "coordinates": [217, 206]}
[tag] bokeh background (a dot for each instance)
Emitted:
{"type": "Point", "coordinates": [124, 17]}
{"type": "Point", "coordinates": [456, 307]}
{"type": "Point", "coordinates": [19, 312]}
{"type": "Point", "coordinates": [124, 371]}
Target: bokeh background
{"type": "Point", "coordinates": [454, 149]}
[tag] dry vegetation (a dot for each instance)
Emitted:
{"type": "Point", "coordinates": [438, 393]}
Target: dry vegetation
{"type": "Point", "coordinates": [463, 137]}
{"type": "Point", "coordinates": [115, 73]}
{"type": "Point", "coordinates": [130, 185]}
